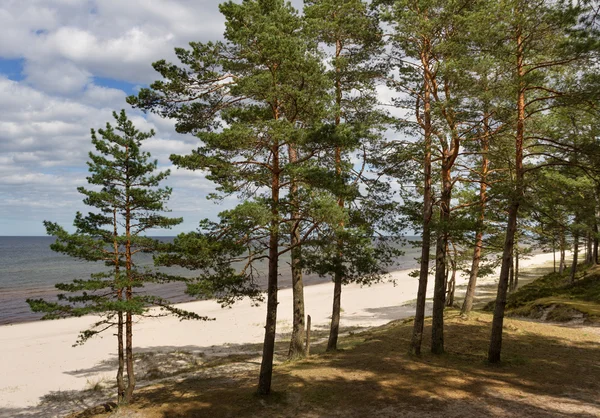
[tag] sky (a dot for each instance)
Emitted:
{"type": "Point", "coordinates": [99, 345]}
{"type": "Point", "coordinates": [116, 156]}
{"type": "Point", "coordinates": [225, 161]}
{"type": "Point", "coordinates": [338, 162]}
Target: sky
{"type": "Point", "coordinates": [65, 66]}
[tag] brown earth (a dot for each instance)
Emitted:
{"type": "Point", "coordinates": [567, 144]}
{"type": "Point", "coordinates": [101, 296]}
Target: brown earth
{"type": "Point", "coordinates": [547, 371]}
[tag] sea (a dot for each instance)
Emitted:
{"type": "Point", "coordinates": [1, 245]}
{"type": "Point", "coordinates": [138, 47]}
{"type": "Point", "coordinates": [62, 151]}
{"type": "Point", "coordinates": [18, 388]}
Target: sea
{"type": "Point", "coordinates": [30, 269]}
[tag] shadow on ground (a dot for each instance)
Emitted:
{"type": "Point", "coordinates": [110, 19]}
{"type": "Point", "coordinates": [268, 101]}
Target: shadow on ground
{"type": "Point", "coordinates": [547, 371]}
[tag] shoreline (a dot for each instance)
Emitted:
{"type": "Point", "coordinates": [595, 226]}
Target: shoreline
{"type": "Point", "coordinates": [38, 357]}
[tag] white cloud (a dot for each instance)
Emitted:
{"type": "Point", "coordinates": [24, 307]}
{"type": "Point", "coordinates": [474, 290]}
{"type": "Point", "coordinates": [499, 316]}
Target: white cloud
{"type": "Point", "coordinates": [45, 119]}
{"type": "Point", "coordinates": [62, 77]}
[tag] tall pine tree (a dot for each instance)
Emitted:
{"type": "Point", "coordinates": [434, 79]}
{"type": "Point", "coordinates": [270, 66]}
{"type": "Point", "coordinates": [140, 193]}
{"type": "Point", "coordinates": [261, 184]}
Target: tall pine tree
{"type": "Point", "coordinates": [128, 200]}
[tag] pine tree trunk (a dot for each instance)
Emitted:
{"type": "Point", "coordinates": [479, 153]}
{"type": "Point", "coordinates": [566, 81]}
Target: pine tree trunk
{"type": "Point", "coordinates": [129, 354]}
{"type": "Point", "coordinates": [511, 276]}
{"type": "Point", "coordinates": [498, 321]}
{"type": "Point", "coordinates": [562, 263]}
{"type": "Point", "coordinates": [439, 291]}
{"type": "Point", "coordinates": [554, 254]}
{"type": "Point", "coordinates": [121, 359]}
{"type": "Point", "coordinates": [575, 254]}
{"type": "Point", "coordinates": [297, 341]}
{"type": "Point", "coordinates": [334, 328]}
{"type": "Point", "coordinates": [595, 250]}
{"type": "Point", "coordinates": [516, 282]}
{"type": "Point", "coordinates": [266, 366]}
{"type": "Point", "coordinates": [513, 211]}
{"type": "Point", "coordinates": [588, 251]}
{"type": "Point", "coordinates": [470, 295]}
{"type": "Point", "coordinates": [335, 315]}
{"type": "Point", "coordinates": [128, 297]}
{"type": "Point", "coordinates": [120, 322]}
{"type": "Point", "coordinates": [419, 322]}
{"type": "Point", "coordinates": [452, 282]}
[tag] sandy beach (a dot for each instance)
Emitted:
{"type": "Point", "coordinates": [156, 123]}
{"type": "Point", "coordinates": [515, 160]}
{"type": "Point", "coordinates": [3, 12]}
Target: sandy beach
{"type": "Point", "coordinates": [37, 358]}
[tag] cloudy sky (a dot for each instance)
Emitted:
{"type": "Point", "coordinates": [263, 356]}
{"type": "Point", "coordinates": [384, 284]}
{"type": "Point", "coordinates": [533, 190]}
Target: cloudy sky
{"type": "Point", "coordinates": [65, 65]}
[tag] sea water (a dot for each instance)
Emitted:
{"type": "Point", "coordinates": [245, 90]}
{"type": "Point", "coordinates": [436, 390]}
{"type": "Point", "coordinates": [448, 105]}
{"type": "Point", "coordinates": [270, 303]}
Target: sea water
{"type": "Point", "coordinates": [30, 269]}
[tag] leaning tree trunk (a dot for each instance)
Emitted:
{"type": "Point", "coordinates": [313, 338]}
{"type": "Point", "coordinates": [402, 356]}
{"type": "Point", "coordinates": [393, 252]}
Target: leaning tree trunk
{"type": "Point", "coordinates": [266, 366]}
{"type": "Point", "coordinates": [439, 291]}
{"type": "Point", "coordinates": [419, 322]}
{"type": "Point", "coordinates": [297, 342]}
{"type": "Point", "coordinates": [498, 321]}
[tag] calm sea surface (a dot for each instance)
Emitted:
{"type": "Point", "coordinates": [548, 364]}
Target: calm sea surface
{"type": "Point", "coordinates": [29, 269]}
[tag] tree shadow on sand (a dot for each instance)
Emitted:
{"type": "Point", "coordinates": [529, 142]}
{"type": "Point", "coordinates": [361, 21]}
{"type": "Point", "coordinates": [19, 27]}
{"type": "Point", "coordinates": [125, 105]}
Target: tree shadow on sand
{"type": "Point", "coordinates": [541, 376]}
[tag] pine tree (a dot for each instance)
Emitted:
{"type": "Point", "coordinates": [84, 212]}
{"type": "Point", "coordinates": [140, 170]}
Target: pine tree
{"type": "Point", "coordinates": [540, 48]}
{"type": "Point", "coordinates": [267, 84]}
{"type": "Point", "coordinates": [351, 39]}
{"type": "Point", "coordinates": [129, 202]}
{"type": "Point", "coordinates": [432, 68]}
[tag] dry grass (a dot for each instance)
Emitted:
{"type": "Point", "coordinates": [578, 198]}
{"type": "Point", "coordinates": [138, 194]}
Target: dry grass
{"type": "Point", "coordinates": [547, 371]}
{"type": "Point", "coordinates": [554, 298]}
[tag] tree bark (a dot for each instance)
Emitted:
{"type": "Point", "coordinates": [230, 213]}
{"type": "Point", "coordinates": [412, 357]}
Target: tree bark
{"type": "Point", "coordinates": [334, 328]}
{"type": "Point", "coordinates": [575, 254]}
{"type": "Point", "coordinates": [129, 354]}
{"type": "Point", "coordinates": [266, 366]}
{"type": "Point", "coordinates": [595, 250]}
{"type": "Point", "coordinates": [128, 296]}
{"type": "Point", "coordinates": [470, 295]}
{"type": "Point", "coordinates": [554, 254]}
{"type": "Point", "coordinates": [297, 346]}
{"type": "Point", "coordinates": [563, 245]}
{"type": "Point", "coordinates": [511, 275]}
{"type": "Point", "coordinates": [516, 282]}
{"type": "Point", "coordinates": [120, 322]}
{"type": "Point", "coordinates": [121, 359]}
{"type": "Point", "coordinates": [335, 315]}
{"type": "Point", "coordinates": [439, 291]}
{"type": "Point", "coordinates": [498, 321]}
{"type": "Point", "coordinates": [588, 251]}
{"type": "Point", "coordinates": [452, 283]}
{"type": "Point", "coordinates": [417, 336]}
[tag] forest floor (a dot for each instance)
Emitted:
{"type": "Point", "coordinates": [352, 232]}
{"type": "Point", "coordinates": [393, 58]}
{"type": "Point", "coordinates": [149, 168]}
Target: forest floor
{"type": "Point", "coordinates": [548, 370]}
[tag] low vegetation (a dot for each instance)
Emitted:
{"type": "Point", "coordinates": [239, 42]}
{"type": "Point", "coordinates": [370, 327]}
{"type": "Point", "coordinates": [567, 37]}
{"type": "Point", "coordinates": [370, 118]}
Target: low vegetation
{"type": "Point", "coordinates": [554, 298]}
{"type": "Point", "coordinates": [548, 370]}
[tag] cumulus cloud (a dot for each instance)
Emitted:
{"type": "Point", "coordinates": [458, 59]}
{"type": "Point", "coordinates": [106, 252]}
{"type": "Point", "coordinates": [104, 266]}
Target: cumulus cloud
{"type": "Point", "coordinates": [71, 50]}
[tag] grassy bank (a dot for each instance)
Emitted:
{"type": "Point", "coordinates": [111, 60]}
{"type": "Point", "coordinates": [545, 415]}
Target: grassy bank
{"type": "Point", "coordinates": [554, 298]}
{"type": "Point", "coordinates": [547, 370]}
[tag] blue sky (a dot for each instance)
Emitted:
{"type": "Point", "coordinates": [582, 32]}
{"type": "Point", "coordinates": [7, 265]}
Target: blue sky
{"type": "Point", "coordinates": [65, 65]}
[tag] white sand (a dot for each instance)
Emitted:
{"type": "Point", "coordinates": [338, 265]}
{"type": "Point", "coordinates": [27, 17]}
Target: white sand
{"type": "Point", "coordinates": [37, 358]}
